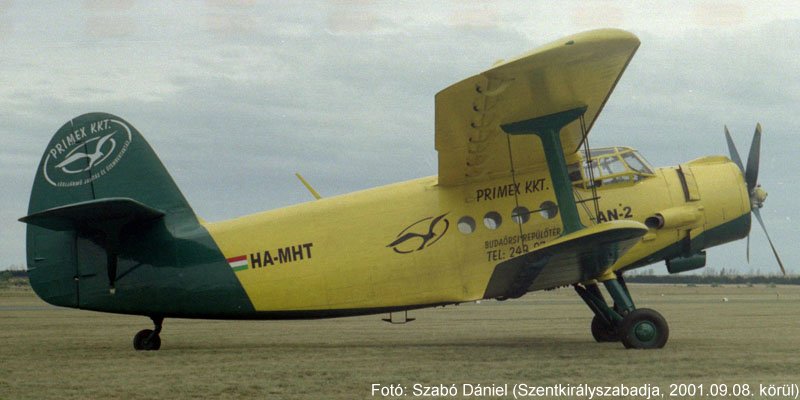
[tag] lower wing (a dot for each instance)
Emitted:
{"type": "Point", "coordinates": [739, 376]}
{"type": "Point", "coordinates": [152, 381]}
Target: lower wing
{"type": "Point", "coordinates": [573, 258]}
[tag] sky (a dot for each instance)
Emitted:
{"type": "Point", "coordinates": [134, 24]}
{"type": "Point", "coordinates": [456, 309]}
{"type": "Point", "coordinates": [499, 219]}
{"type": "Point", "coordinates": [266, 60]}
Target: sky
{"type": "Point", "coordinates": [237, 96]}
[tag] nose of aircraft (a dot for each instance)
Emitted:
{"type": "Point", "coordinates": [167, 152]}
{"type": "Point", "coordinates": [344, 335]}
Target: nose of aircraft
{"type": "Point", "coordinates": [757, 194]}
{"type": "Point", "coordinates": [722, 198]}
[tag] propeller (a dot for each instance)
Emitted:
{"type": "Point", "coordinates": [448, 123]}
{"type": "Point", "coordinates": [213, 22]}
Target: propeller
{"type": "Point", "coordinates": [757, 195]}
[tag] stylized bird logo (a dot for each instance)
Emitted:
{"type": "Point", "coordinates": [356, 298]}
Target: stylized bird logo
{"type": "Point", "coordinates": [428, 239]}
{"type": "Point", "coordinates": [94, 158]}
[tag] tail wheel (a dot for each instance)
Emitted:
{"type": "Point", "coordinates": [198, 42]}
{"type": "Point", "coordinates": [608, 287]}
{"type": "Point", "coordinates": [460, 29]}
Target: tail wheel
{"type": "Point", "coordinates": [644, 328]}
{"type": "Point", "coordinates": [603, 332]}
{"type": "Point", "coordinates": [146, 339]}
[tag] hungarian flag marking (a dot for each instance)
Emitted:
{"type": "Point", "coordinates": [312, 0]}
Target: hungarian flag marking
{"type": "Point", "coordinates": [238, 263]}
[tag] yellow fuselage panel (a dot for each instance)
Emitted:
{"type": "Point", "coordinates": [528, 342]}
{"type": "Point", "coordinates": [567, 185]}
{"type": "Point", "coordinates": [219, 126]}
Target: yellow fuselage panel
{"type": "Point", "coordinates": [417, 243]}
{"type": "Point", "coordinates": [343, 259]}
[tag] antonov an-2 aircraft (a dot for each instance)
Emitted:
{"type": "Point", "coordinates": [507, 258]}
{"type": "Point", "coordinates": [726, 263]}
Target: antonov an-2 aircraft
{"type": "Point", "coordinates": [521, 203]}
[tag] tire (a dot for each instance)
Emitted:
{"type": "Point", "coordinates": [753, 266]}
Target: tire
{"type": "Point", "coordinates": [142, 340]}
{"type": "Point", "coordinates": [603, 332]}
{"type": "Point", "coordinates": [644, 328]}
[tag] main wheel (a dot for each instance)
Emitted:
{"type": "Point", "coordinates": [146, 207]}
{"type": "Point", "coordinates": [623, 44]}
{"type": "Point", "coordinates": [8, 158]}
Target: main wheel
{"type": "Point", "coordinates": [603, 332]}
{"type": "Point", "coordinates": [644, 328]}
{"type": "Point", "coordinates": [143, 340]}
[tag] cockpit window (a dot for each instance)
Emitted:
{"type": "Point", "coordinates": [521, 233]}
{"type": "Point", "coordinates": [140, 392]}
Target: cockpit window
{"type": "Point", "coordinates": [637, 163]}
{"type": "Point", "coordinates": [603, 151]}
{"type": "Point", "coordinates": [610, 165]}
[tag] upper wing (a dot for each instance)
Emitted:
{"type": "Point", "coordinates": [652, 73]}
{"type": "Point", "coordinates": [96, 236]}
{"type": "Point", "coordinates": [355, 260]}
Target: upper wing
{"type": "Point", "coordinates": [580, 70]}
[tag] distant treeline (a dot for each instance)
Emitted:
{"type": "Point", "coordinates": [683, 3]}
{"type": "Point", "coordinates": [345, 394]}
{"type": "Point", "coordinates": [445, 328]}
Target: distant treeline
{"type": "Point", "coordinates": [14, 273]}
{"type": "Point", "coordinates": [714, 279]}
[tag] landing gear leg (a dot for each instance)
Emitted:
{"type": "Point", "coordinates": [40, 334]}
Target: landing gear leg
{"type": "Point", "coordinates": [605, 320]}
{"type": "Point", "coordinates": [640, 328]}
{"type": "Point", "coordinates": [148, 339]}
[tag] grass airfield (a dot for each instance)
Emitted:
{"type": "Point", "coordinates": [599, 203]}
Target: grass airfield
{"type": "Point", "coordinates": [540, 339]}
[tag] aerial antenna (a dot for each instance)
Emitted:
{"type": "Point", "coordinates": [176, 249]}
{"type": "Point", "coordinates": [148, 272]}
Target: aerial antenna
{"type": "Point", "coordinates": [308, 186]}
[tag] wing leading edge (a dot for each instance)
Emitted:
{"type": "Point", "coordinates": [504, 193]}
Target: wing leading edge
{"type": "Point", "coordinates": [573, 258]}
{"type": "Point", "coordinates": [577, 71]}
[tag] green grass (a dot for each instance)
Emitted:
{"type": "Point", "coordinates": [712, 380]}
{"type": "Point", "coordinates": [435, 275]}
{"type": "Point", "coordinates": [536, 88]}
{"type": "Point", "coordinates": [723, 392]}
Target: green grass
{"type": "Point", "coordinates": [543, 338]}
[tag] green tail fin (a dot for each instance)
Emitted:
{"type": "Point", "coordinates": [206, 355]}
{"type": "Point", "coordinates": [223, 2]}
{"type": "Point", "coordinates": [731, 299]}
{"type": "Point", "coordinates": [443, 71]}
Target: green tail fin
{"type": "Point", "coordinates": [97, 177]}
{"type": "Point", "coordinates": [109, 230]}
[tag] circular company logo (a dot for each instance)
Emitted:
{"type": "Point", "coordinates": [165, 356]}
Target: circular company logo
{"type": "Point", "coordinates": [84, 154]}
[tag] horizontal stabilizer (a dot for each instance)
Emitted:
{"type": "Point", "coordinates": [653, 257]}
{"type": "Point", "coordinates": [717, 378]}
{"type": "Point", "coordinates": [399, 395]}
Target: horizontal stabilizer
{"type": "Point", "coordinates": [92, 214]}
{"type": "Point", "coordinates": [573, 258]}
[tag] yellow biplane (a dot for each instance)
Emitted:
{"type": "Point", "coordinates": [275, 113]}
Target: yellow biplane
{"type": "Point", "coordinates": [521, 203]}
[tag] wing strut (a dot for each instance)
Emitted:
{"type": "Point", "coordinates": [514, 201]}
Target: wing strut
{"type": "Point", "coordinates": [548, 129]}
{"type": "Point", "coordinates": [588, 157]}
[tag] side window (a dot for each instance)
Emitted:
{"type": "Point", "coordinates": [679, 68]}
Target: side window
{"type": "Point", "coordinates": [548, 210]}
{"type": "Point", "coordinates": [492, 220]}
{"type": "Point", "coordinates": [520, 215]}
{"type": "Point", "coordinates": [466, 225]}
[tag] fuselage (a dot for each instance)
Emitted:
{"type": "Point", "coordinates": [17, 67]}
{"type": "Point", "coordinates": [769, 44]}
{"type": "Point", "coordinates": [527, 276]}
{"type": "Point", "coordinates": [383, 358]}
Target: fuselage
{"type": "Point", "coordinates": [416, 243]}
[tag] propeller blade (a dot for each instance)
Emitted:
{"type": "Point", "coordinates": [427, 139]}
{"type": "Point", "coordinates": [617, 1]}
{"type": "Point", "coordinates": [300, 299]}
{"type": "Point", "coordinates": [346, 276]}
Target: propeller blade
{"type": "Point", "coordinates": [732, 150]}
{"type": "Point", "coordinates": [748, 247]}
{"type": "Point", "coordinates": [751, 173]}
{"type": "Point", "coordinates": [758, 216]}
